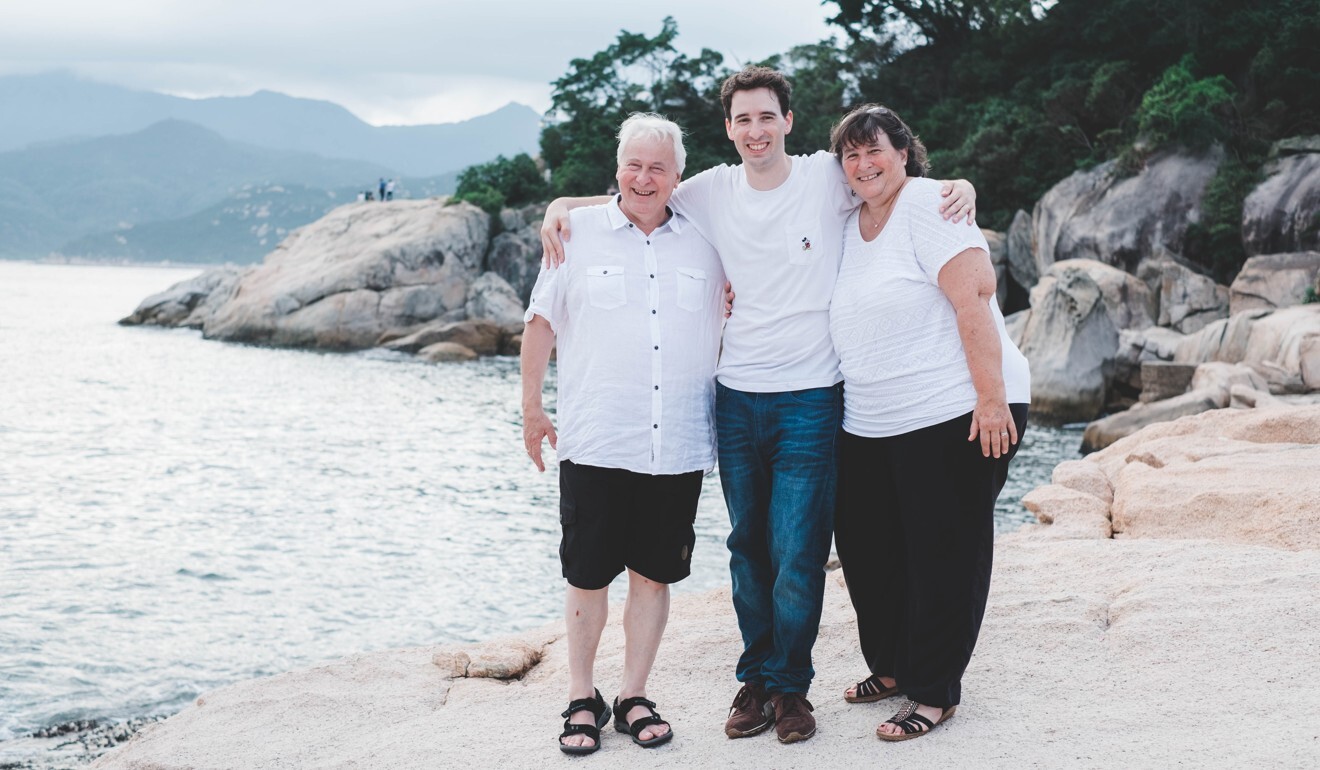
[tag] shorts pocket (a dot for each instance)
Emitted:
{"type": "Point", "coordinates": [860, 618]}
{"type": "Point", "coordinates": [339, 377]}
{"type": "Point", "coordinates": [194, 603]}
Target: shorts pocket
{"type": "Point", "coordinates": [802, 239]}
{"type": "Point", "coordinates": [605, 287]}
{"type": "Point", "coordinates": [691, 288]}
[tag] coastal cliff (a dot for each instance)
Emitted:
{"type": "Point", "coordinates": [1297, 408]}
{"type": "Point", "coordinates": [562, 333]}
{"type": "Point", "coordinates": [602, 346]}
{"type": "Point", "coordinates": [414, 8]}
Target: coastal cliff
{"type": "Point", "coordinates": [1174, 581]}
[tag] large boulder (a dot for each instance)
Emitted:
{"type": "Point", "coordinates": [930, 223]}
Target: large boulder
{"type": "Point", "coordinates": [188, 303]}
{"type": "Point", "coordinates": [515, 254]}
{"type": "Point", "coordinates": [491, 297]}
{"type": "Point", "coordinates": [340, 282]}
{"type": "Point", "coordinates": [1136, 348]}
{"type": "Point", "coordinates": [999, 261]}
{"type": "Point", "coordinates": [1283, 213]}
{"type": "Point", "coordinates": [1237, 475]}
{"type": "Point", "coordinates": [1070, 336]}
{"type": "Point", "coordinates": [1281, 345]}
{"type": "Point", "coordinates": [1021, 256]}
{"type": "Point", "coordinates": [1270, 281]}
{"type": "Point", "coordinates": [1187, 300]}
{"type": "Point", "coordinates": [1096, 214]}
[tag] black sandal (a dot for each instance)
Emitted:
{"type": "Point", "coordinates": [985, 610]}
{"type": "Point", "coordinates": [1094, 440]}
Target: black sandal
{"type": "Point", "coordinates": [913, 724]}
{"type": "Point", "coordinates": [596, 706]}
{"type": "Point", "coordinates": [621, 709]}
{"type": "Point", "coordinates": [869, 690]}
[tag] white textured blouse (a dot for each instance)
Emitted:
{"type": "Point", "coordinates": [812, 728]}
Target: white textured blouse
{"type": "Point", "coordinates": [637, 322]}
{"type": "Point", "coordinates": [903, 363]}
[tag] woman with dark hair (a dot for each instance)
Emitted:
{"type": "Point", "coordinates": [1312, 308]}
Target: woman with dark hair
{"type": "Point", "coordinates": [935, 401]}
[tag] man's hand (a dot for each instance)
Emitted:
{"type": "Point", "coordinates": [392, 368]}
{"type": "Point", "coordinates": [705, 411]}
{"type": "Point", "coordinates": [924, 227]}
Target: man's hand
{"type": "Point", "coordinates": [959, 201]}
{"type": "Point", "coordinates": [537, 426]}
{"type": "Point", "coordinates": [554, 228]}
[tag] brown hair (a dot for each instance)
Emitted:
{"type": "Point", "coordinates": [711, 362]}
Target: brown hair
{"type": "Point", "coordinates": [863, 127]}
{"type": "Point", "coordinates": [750, 79]}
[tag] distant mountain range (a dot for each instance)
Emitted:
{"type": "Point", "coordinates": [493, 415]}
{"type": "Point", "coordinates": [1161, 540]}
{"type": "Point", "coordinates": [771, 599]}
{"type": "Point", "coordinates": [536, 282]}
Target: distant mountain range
{"type": "Point", "coordinates": [56, 106]}
{"type": "Point", "coordinates": [108, 172]}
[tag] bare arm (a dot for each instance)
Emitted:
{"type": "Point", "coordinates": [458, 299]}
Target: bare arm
{"type": "Point", "coordinates": [968, 280]}
{"type": "Point", "coordinates": [538, 340]}
{"type": "Point", "coordinates": [959, 201]}
{"type": "Point", "coordinates": [555, 226]}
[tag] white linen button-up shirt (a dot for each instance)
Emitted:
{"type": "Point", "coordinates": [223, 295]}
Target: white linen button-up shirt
{"type": "Point", "coordinates": [637, 321]}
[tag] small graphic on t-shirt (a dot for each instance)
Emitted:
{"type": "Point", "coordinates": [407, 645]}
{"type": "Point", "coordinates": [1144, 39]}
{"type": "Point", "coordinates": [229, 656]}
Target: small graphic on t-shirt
{"type": "Point", "coordinates": [806, 244]}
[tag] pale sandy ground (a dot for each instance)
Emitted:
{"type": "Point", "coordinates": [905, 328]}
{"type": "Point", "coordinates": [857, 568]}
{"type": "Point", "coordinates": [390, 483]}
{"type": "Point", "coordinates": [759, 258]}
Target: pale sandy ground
{"type": "Point", "coordinates": [1106, 653]}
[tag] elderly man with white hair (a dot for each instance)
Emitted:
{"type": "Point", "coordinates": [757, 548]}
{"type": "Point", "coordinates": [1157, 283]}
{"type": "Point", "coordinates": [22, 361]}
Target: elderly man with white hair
{"type": "Point", "coordinates": [636, 311]}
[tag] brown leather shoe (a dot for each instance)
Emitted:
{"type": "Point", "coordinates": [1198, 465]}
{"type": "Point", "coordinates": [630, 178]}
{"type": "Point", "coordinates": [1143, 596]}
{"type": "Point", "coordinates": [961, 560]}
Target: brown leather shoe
{"type": "Point", "coordinates": [751, 713]}
{"type": "Point", "coordinates": [793, 719]}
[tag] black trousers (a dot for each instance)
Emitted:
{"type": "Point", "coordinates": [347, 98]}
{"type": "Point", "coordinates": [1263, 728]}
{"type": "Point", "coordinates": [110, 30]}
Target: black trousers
{"type": "Point", "coordinates": [915, 532]}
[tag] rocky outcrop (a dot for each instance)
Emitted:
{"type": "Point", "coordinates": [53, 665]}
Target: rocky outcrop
{"type": "Point", "coordinates": [1187, 300]}
{"type": "Point", "coordinates": [1283, 213]}
{"type": "Point", "coordinates": [360, 275]}
{"type": "Point", "coordinates": [187, 303]}
{"type": "Point", "coordinates": [1243, 475]}
{"type": "Point", "coordinates": [1121, 221]}
{"type": "Point", "coordinates": [515, 254]}
{"type": "Point", "coordinates": [342, 281]}
{"type": "Point", "coordinates": [1280, 345]}
{"type": "Point", "coordinates": [1272, 281]}
{"type": "Point", "coordinates": [1070, 336]}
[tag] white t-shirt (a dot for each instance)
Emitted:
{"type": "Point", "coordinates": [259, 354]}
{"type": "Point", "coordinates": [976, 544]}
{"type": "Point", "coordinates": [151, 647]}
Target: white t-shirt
{"type": "Point", "coordinates": [637, 323]}
{"type": "Point", "coordinates": [902, 359]}
{"type": "Point", "coordinates": [781, 250]}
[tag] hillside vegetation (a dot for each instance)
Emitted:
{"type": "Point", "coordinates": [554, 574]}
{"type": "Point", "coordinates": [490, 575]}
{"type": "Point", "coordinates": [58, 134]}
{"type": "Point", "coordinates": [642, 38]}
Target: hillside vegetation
{"type": "Point", "coordinates": [1014, 95]}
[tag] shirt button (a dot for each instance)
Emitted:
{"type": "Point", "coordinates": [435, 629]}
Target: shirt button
{"type": "Point", "coordinates": [652, 312]}
{"type": "Point", "coordinates": [652, 275]}
{"type": "Point", "coordinates": [655, 426]}
{"type": "Point", "coordinates": [657, 347]}
{"type": "Point", "coordinates": [657, 387]}
{"type": "Point", "coordinates": [630, 224]}
{"type": "Point", "coordinates": [648, 243]}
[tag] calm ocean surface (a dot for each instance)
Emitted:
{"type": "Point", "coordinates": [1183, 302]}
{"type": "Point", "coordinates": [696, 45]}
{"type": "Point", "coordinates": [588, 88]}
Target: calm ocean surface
{"type": "Point", "coordinates": [178, 514]}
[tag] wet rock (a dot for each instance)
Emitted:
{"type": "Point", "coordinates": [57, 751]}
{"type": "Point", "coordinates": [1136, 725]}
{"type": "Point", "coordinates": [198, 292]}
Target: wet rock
{"type": "Point", "coordinates": [187, 303]}
{"type": "Point", "coordinates": [446, 352]}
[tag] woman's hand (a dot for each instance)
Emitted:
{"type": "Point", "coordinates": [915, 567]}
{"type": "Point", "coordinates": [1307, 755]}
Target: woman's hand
{"type": "Point", "coordinates": [554, 231]}
{"type": "Point", "coordinates": [992, 422]}
{"type": "Point", "coordinates": [728, 299]}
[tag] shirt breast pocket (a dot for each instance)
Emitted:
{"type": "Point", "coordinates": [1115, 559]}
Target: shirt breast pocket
{"type": "Point", "coordinates": [803, 241]}
{"type": "Point", "coordinates": [691, 288]}
{"type": "Point", "coordinates": [605, 287]}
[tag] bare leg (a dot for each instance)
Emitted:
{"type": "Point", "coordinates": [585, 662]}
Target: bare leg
{"type": "Point", "coordinates": [585, 612]}
{"type": "Point", "coordinates": [645, 614]}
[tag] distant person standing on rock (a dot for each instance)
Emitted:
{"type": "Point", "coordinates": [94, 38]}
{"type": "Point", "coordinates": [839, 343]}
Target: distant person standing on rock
{"type": "Point", "coordinates": [389, 190]}
{"type": "Point", "coordinates": [636, 309]}
{"type": "Point", "coordinates": [382, 188]}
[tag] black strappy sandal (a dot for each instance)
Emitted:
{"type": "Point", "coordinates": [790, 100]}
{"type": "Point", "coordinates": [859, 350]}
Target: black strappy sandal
{"type": "Point", "coordinates": [596, 706]}
{"type": "Point", "coordinates": [913, 724]}
{"type": "Point", "coordinates": [869, 690]}
{"type": "Point", "coordinates": [621, 709]}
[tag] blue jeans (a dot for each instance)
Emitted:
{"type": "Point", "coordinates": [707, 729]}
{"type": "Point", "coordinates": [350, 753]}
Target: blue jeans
{"type": "Point", "coordinates": [777, 454]}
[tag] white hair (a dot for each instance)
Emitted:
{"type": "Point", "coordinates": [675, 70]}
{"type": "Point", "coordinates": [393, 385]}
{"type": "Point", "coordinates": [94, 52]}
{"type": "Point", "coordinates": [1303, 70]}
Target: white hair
{"type": "Point", "coordinates": [648, 125]}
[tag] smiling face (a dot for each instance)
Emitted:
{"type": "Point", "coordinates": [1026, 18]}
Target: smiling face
{"type": "Point", "coordinates": [757, 127]}
{"type": "Point", "coordinates": [875, 171]}
{"type": "Point", "coordinates": [647, 176]}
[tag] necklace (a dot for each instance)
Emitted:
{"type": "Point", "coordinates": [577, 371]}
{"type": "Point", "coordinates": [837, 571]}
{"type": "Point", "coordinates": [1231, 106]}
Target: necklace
{"type": "Point", "coordinates": [875, 224]}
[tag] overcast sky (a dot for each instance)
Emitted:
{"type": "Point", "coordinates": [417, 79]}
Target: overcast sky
{"type": "Point", "coordinates": [389, 61]}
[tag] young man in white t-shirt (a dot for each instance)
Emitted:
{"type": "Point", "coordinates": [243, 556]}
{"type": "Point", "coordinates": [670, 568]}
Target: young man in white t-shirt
{"type": "Point", "coordinates": [777, 222]}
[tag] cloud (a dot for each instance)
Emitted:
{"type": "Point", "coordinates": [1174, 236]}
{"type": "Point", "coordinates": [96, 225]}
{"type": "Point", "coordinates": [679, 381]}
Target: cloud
{"type": "Point", "coordinates": [390, 61]}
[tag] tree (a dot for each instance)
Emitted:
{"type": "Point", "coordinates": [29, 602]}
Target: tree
{"type": "Point", "coordinates": [501, 182]}
{"type": "Point", "coordinates": [634, 74]}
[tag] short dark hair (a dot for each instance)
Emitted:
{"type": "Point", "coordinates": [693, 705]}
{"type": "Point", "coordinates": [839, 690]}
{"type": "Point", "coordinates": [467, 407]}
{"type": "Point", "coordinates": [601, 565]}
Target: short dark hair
{"type": "Point", "coordinates": [752, 78]}
{"type": "Point", "coordinates": [864, 125]}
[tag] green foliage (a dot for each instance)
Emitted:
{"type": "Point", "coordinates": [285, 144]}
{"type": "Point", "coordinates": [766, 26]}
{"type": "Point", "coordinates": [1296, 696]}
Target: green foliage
{"type": "Point", "coordinates": [636, 73]}
{"type": "Point", "coordinates": [1311, 296]}
{"type": "Point", "coordinates": [502, 182]}
{"type": "Point", "coordinates": [1216, 240]}
{"type": "Point", "coordinates": [1183, 110]}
